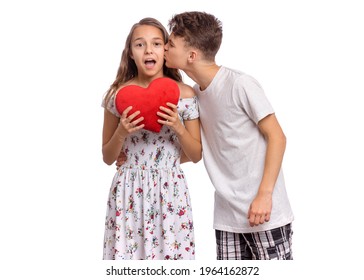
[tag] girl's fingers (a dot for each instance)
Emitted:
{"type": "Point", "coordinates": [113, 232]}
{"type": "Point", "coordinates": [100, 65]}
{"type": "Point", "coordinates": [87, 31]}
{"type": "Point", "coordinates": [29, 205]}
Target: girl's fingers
{"type": "Point", "coordinates": [171, 105]}
{"type": "Point", "coordinates": [135, 122]}
{"type": "Point", "coordinates": [126, 111]}
{"type": "Point", "coordinates": [165, 122]}
{"type": "Point", "coordinates": [132, 116]}
{"type": "Point", "coordinates": [166, 110]}
{"type": "Point", "coordinates": [164, 116]}
{"type": "Point", "coordinates": [135, 128]}
{"type": "Point", "coordinates": [129, 122]}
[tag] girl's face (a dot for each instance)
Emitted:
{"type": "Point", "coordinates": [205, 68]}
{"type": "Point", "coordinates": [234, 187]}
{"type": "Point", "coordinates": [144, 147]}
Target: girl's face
{"type": "Point", "coordinates": [147, 50]}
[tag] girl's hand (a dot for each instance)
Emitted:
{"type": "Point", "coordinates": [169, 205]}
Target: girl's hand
{"type": "Point", "coordinates": [170, 117]}
{"type": "Point", "coordinates": [128, 124]}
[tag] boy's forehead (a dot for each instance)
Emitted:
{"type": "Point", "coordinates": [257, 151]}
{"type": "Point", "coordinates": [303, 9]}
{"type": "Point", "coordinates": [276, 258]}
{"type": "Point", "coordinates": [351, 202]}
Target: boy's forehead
{"type": "Point", "coordinates": [176, 39]}
{"type": "Point", "coordinates": [172, 36]}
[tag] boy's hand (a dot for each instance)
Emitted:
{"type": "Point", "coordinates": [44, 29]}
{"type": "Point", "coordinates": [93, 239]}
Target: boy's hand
{"type": "Point", "coordinates": [260, 209]}
{"type": "Point", "coordinates": [120, 160]}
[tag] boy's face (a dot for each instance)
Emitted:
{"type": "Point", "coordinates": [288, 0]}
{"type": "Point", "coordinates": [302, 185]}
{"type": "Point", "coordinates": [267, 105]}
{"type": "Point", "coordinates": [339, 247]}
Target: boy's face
{"type": "Point", "coordinates": [176, 53]}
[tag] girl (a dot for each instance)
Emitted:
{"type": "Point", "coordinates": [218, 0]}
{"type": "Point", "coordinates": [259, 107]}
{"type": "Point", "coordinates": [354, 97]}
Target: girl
{"type": "Point", "coordinates": [149, 214]}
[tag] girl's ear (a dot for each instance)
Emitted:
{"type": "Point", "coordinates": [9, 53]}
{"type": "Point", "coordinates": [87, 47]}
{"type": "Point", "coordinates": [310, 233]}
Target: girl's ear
{"type": "Point", "coordinates": [131, 54]}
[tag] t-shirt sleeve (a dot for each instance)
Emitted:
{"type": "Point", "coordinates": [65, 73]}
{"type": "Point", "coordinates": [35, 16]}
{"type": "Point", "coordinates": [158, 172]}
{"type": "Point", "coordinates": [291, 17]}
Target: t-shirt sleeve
{"type": "Point", "coordinates": [110, 106]}
{"type": "Point", "coordinates": [188, 108]}
{"type": "Point", "coordinates": [252, 98]}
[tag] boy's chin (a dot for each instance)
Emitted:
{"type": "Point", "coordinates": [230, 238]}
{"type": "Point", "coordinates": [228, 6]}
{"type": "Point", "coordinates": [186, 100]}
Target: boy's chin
{"type": "Point", "coordinates": [170, 65]}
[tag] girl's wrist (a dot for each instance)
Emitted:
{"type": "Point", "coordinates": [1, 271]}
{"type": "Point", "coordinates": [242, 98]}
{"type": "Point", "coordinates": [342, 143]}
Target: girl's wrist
{"type": "Point", "coordinates": [180, 131]}
{"type": "Point", "coordinates": [121, 133]}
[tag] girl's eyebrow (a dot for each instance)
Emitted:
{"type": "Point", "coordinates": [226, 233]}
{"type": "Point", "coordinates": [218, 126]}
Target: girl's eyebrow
{"type": "Point", "coordinates": [139, 38]}
{"type": "Point", "coordinates": [154, 38]}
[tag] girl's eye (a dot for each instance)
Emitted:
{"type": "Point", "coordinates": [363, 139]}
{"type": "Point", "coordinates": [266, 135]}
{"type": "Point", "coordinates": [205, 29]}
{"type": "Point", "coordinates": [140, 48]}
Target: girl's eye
{"type": "Point", "coordinates": [139, 45]}
{"type": "Point", "coordinates": [158, 44]}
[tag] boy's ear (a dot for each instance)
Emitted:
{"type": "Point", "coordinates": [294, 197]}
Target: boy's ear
{"type": "Point", "coordinates": [192, 56]}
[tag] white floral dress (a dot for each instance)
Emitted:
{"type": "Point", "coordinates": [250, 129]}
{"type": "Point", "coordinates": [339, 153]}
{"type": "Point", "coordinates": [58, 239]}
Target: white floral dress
{"type": "Point", "coordinates": [149, 214]}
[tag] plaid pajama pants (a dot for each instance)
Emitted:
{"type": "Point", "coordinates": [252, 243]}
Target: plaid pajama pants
{"type": "Point", "coordinates": [274, 244]}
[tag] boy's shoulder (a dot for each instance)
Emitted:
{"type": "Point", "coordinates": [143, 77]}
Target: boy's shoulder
{"type": "Point", "coordinates": [235, 73]}
{"type": "Point", "coordinates": [241, 77]}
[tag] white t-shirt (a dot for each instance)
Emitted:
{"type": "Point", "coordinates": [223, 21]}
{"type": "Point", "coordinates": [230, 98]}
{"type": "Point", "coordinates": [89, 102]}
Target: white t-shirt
{"type": "Point", "coordinates": [234, 150]}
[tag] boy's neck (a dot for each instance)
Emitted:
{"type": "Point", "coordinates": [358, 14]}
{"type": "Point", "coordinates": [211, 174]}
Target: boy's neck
{"type": "Point", "coordinates": [203, 74]}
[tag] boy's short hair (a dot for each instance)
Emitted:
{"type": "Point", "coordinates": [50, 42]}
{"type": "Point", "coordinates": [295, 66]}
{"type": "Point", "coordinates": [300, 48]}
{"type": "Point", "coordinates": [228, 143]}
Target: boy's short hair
{"type": "Point", "coordinates": [199, 30]}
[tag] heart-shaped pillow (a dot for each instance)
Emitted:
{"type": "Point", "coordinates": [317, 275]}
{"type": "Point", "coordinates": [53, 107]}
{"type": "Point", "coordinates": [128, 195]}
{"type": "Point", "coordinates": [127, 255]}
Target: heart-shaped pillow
{"type": "Point", "coordinates": [148, 100]}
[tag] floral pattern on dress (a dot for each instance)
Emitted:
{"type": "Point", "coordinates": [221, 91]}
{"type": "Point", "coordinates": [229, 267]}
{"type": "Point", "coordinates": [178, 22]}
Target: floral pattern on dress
{"type": "Point", "coordinates": [149, 213]}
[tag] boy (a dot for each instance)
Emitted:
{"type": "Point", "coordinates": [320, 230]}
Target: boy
{"type": "Point", "coordinates": [243, 145]}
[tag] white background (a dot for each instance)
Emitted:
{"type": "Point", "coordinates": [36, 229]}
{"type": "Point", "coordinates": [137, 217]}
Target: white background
{"type": "Point", "coordinates": [57, 58]}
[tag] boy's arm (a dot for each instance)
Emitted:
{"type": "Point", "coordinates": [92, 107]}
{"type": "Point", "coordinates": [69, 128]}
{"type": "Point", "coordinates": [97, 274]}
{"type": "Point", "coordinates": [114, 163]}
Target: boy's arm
{"type": "Point", "coordinates": [261, 207]}
{"type": "Point", "coordinates": [120, 160]}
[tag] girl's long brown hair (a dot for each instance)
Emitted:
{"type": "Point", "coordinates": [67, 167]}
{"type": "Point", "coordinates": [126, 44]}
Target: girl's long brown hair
{"type": "Point", "coordinates": [127, 68]}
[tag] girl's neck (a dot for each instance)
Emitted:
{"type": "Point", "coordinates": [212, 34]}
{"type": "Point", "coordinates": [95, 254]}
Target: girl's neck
{"type": "Point", "coordinates": [144, 81]}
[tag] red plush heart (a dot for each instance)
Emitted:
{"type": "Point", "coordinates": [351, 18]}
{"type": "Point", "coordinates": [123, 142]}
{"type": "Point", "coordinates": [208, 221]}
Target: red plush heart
{"type": "Point", "coordinates": [148, 100]}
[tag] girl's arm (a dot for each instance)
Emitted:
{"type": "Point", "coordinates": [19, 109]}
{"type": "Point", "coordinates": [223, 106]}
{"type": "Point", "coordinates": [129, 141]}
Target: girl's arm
{"type": "Point", "coordinates": [184, 158]}
{"type": "Point", "coordinates": [115, 131]}
{"type": "Point", "coordinates": [190, 140]}
{"type": "Point", "coordinates": [188, 134]}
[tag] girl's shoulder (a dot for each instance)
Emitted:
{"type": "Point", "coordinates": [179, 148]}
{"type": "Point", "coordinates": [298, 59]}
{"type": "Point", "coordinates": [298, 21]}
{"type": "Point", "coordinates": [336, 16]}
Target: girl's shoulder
{"type": "Point", "coordinates": [127, 83]}
{"type": "Point", "coordinates": [186, 91]}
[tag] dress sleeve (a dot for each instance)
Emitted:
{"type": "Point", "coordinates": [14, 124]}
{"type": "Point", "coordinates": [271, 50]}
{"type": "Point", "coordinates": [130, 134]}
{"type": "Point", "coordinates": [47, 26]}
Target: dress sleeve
{"type": "Point", "coordinates": [188, 108]}
{"type": "Point", "coordinates": [110, 106]}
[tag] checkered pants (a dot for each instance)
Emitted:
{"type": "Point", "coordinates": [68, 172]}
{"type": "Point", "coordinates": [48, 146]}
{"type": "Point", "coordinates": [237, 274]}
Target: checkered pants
{"type": "Point", "coordinates": [275, 244]}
